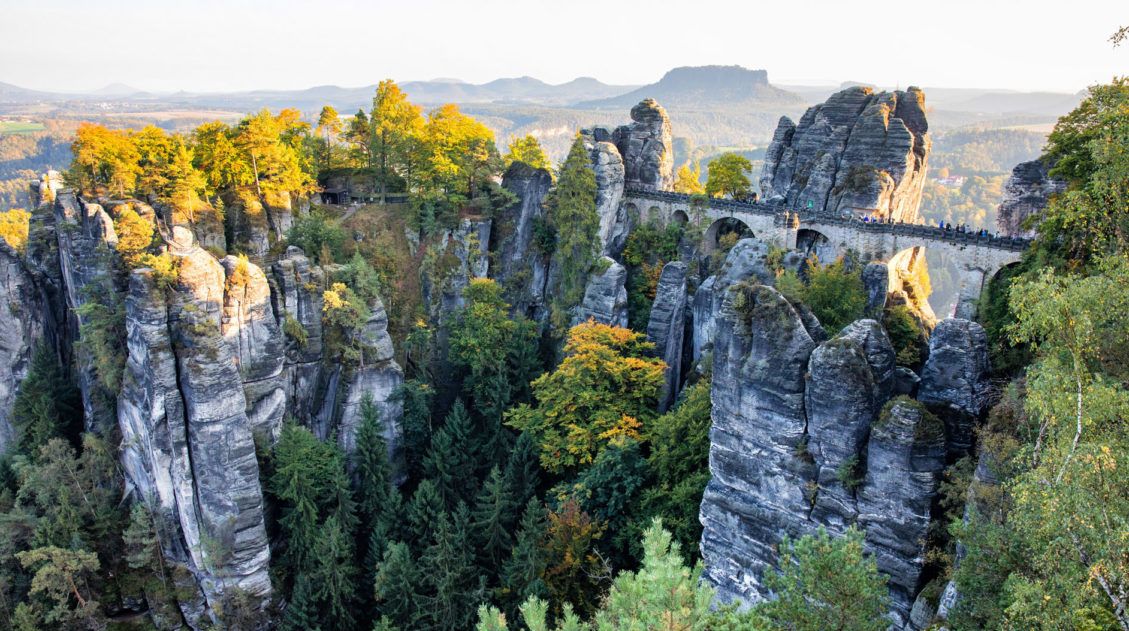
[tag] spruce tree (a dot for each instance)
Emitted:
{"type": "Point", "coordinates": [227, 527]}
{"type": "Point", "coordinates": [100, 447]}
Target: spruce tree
{"type": "Point", "coordinates": [415, 396]}
{"type": "Point", "coordinates": [572, 210]}
{"type": "Point", "coordinates": [521, 573]}
{"type": "Point", "coordinates": [396, 586]}
{"type": "Point", "coordinates": [334, 575]}
{"type": "Point", "coordinates": [373, 471]}
{"type": "Point", "coordinates": [302, 612]}
{"type": "Point", "coordinates": [523, 470]}
{"type": "Point", "coordinates": [450, 461]}
{"type": "Point", "coordinates": [455, 585]}
{"type": "Point", "coordinates": [388, 527]}
{"type": "Point", "coordinates": [46, 406]}
{"type": "Point", "coordinates": [423, 514]}
{"type": "Point", "coordinates": [492, 520]}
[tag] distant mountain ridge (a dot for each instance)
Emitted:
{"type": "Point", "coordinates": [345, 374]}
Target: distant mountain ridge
{"type": "Point", "coordinates": [703, 87]}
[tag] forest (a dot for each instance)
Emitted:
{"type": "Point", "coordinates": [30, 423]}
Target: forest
{"type": "Point", "coordinates": [538, 481]}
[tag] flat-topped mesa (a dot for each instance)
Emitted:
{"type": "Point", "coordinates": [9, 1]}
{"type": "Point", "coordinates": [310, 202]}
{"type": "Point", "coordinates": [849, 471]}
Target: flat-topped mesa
{"type": "Point", "coordinates": [859, 153]}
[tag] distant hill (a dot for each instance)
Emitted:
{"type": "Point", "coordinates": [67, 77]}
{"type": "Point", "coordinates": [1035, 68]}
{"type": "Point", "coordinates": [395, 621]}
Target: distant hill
{"type": "Point", "coordinates": [704, 87]}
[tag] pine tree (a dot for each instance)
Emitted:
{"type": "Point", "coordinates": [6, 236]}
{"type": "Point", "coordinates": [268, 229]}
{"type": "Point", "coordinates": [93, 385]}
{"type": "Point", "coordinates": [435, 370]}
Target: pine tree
{"type": "Point", "coordinates": [449, 463]}
{"type": "Point", "coordinates": [523, 470]}
{"type": "Point", "coordinates": [396, 586]}
{"type": "Point", "coordinates": [492, 520]}
{"type": "Point", "coordinates": [521, 573]}
{"type": "Point", "coordinates": [302, 612]}
{"type": "Point", "coordinates": [333, 576]}
{"type": "Point", "coordinates": [456, 586]}
{"type": "Point", "coordinates": [423, 514]}
{"type": "Point", "coordinates": [572, 211]}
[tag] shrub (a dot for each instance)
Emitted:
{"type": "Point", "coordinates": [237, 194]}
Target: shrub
{"type": "Point", "coordinates": [906, 335]}
{"type": "Point", "coordinates": [318, 236]}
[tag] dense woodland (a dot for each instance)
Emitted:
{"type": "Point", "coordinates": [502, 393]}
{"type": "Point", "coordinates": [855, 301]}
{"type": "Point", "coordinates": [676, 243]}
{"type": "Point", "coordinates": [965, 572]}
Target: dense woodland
{"type": "Point", "coordinates": [541, 488]}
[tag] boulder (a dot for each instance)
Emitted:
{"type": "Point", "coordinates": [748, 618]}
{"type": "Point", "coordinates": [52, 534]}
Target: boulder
{"type": "Point", "coordinates": [667, 326]}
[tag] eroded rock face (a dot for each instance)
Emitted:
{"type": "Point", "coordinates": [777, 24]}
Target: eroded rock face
{"type": "Point", "coordinates": [904, 461]}
{"type": "Point", "coordinates": [250, 328]}
{"type": "Point", "coordinates": [647, 148]}
{"type": "Point", "coordinates": [1026, 193]}
{"type": "Point", "coordinates": [188, 446]}
{"type": "Point", "coordinates": [520, 268]}
{"type": "Point", "coordinates": [608, 164]}
{"type": "Point", "coordinates": [667, 325]}
{"type": "Point", "coordinates": [605, 296]}
{"type": "Point", "coordinates": [859, 153]}
{"type": "Point", "coordinates": [758, 489]}
{"type": "Point", "coordinates": [954, 380]}
{"type": "Point", "coordinates": [22, 326]}
{"type": "Point", "coordinates": [748, 260]}
{"type": "Point", "coordinates": [296, 295]}
{"type": "Point", "coordinates": [876, 280]}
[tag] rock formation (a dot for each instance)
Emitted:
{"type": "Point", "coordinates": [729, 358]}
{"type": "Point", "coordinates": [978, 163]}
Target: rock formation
{"type": "Point", "coordinates": [605, 297]}
{"type": "Point", "coordinates": [954, 380]}
{"type": "Point", "coordinates": [187, 444]}
{"type": "Point", "coordinates": [608, 164]}
{"type": "Point", "coordinates": [1026, 193]}
{"type": "Point", "coordinates": [519, 266]}
{"type": "Point", "coordinates": [859, 153]}
{"type": "Point", "coordinates": [22, 326]}
{"type": "Point", "coordinates": [804, 437]}
{"type": "Point", "coordinates": [647, 148]}
{"type": "Point", "coordinates": [667, 326]}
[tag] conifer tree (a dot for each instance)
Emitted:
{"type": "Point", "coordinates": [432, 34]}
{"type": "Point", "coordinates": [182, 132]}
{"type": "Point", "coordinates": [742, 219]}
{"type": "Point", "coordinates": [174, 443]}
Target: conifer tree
{"type": "Point", "coordinates": [396, 585]}
{"type": "Point", "coordinates": [372, 470]}
{"type": "Point", "coordinates": [45, 405]}
{"type": "Point", "coordinates": [388, 527]}
{"type": "Point", "coordinates": [333, 575]}
{"type": "Point", "coordinates": [423, 513]}
{"type": "Point", "coordinates": [301, 613]}
{"type": "Point", "coordinates": [450, 460]}
{"type": "Point", "coordinates": [572, 210]}
{"type": "Point", "coordinates": [523, 470]}
{"type": "Point", "coordinates": [492, 520]}
{"type": "Point", "coordinates": [415, 397]}
{"type": "Point", "coordinates": [521, 573]}
{"type": "Point", "coordinates": [455, 584]}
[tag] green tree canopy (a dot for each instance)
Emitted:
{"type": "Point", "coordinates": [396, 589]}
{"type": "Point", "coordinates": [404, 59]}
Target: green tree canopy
{"type": "Point", "coordinates": [728, 177]}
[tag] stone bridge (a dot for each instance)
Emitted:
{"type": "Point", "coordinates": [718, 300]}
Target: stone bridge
{"type": "Point", "coordinates": [977, 258]}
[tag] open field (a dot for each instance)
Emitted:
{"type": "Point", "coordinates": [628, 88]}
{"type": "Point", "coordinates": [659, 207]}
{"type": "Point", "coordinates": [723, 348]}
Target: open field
{"type": "Point", "coordinates": [19, 127]}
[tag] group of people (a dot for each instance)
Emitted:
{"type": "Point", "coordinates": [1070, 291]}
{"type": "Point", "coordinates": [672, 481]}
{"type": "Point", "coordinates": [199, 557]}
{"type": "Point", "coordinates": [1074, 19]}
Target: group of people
{"type": "Point", "coordinates": [960, 227]}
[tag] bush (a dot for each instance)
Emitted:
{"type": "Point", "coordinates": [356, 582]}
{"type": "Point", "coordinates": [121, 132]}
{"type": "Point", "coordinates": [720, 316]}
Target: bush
{"type": "Point", "coordinates": [906, 335]}
{"type": "Point", "coordinates": [318, 236]}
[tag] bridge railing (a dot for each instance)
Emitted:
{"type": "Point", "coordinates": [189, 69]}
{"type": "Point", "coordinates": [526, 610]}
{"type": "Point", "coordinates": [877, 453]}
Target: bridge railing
{"type": "Point", "coordinates": [935, 233]}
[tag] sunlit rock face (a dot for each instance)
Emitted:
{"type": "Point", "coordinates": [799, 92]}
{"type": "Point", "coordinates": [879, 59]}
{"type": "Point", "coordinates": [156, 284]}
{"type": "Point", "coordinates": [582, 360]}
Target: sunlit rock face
{"type": "Point", "coordinates": [647, 147]}
{"type": "Point", "coordinates": [1026, 193]}
{"type": "Point", "coordinates": [858, 153]}
{"type": "Point", "coordinates": [608, 165]}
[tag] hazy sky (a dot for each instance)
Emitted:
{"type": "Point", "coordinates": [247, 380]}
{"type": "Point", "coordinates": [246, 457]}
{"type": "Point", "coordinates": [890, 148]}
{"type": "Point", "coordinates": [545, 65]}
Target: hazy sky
{"type": "Point", "coordinates": [248, 44]}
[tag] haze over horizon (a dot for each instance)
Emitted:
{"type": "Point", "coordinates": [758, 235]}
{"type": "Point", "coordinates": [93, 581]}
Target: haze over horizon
{"type": "Point", "coordinates": [217, 46]}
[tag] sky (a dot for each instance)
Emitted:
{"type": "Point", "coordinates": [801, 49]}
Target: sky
{"type": "Point", "coordinates": [234, 45]}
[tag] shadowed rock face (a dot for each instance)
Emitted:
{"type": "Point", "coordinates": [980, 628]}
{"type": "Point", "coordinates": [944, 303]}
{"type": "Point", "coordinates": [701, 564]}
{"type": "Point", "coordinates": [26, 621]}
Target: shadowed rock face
{"type": "Point", "coordinates": [1026, 193]}
{"type": "Point", "coordinates": [858, 153]}
{"type": "Point", "coordinates": [800, 441]}
{"type": "Point", "coordinates": [954, 380]}
{"type": "Point", "coordinates": [520, 268]}
{"type": "Point", "coordinates": [22, 326]}
{"type": "Point", "coordinates": [667, 326]}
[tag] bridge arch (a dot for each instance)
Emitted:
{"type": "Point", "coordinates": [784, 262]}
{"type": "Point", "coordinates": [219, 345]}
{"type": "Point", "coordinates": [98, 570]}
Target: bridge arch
{"type": "Point", "coordinates": [679, 216]}
{"type": "Point", "coordinates": [815, 243]}
{"type": "Point", "coordinates": [711, 239]}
